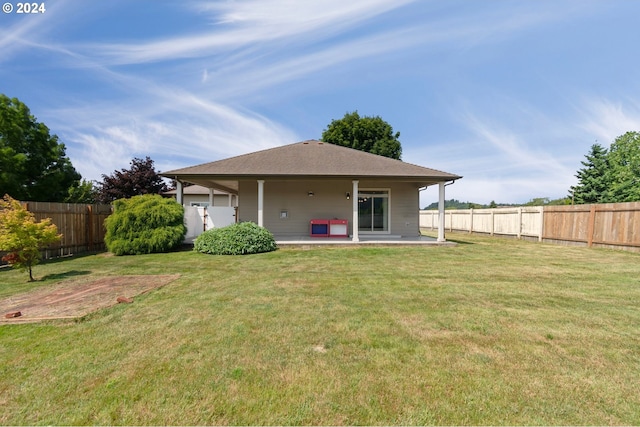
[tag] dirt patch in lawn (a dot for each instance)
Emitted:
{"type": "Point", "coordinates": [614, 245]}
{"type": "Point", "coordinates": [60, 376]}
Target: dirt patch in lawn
{"type": "Point", "coordinates": [70, 300]}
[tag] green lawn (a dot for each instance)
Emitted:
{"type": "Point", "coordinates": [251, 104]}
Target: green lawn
{"type": "Point", "coordinates": [492, 331]}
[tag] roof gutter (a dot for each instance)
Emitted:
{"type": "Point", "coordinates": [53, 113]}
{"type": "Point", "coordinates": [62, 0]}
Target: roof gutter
{"type": "Point", "coordinates": [447, 183]}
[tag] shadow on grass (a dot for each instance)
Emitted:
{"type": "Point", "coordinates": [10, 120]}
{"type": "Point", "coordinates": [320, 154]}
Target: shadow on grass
{"type": "Point", "coordinates": [65, 275]}
{"type": "Point", "coordinates": [55, 260]}
{"type": "Point", "coordinates": [448, 238]}
{"type": "Point", "coordinates": [460, 242]}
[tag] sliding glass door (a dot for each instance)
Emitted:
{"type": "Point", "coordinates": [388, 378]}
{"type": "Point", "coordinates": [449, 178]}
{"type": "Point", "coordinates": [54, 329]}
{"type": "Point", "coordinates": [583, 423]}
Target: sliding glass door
{"type": "Point", "coordinates": [373, 211]}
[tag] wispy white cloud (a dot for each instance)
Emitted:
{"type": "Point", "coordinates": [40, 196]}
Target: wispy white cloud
{"type": "Point", "coordinates": [512, 159]}
{"type": "Point", "coordinates": [284, 64]}
{"type": "Point", "coordinates": [25, 32]}
{"type": "Point", "coordinates": [211, 129]}
{"type": "Point", "coordinates": [293, 13]}
{"type": "Point", "coordinates": [605, 119]}
{"type": "Point", "coordinates": [512, 149]}
{"type": "Point", "coordinates": [239, 24]}
{"type": "Point", "coordinates": [193, 130]}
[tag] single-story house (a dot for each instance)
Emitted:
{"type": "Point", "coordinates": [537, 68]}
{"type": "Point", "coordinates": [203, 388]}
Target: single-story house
{"type": "Point", "coordinates": [197, 195]}
{"type": "Point", "coordinates": [322, 189]}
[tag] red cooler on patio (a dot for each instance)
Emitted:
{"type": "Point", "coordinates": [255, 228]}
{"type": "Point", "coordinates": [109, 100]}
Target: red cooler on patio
{"type": "Point", "coordinates": [319, 228]}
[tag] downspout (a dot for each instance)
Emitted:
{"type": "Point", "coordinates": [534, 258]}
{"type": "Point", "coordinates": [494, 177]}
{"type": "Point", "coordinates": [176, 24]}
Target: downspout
{"type": "Point", "coordinates": [441, 218]}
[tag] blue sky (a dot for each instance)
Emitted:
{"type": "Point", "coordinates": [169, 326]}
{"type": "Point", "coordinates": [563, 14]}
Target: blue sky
{"type": "Point", "coordinates": [510, 94]}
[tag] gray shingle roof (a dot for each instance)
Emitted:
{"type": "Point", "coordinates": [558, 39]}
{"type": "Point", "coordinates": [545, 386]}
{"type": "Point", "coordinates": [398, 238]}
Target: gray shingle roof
{"type": "Point", "coordinates": [311, 159]}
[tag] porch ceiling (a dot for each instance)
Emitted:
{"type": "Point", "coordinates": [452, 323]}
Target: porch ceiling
{"type": "Point", "coordinates": [231, 184]}
{"type": "Point", "coordinates": [227, 185]}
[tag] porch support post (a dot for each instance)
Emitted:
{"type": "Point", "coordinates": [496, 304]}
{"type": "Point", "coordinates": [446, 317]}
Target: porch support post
{"type": "Point", "coordinates": [211, 197]}
{"type": "Point", "coordinates": [261, 202]}
{"type": "Point", "coordinates": [354, 222]}
{"type": "Point", "coordinates": [179, 192]}
{"type": "Point", "coordinates": [441, 212]}
{"type": "Point", "coordinates": [230, 200]}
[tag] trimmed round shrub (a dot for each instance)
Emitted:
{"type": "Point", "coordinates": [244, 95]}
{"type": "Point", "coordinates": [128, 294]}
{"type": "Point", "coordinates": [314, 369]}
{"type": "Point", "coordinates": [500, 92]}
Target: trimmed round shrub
{"type": "Point", "coordinates": [145, 224]}
{"type": "Point", "coordinates": [236, 239]}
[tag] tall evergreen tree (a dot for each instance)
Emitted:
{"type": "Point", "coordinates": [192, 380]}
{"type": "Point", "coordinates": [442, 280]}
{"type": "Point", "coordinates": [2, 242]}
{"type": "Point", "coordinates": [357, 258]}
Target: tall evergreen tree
{"type": "Point", "coordinates": [593, 179]}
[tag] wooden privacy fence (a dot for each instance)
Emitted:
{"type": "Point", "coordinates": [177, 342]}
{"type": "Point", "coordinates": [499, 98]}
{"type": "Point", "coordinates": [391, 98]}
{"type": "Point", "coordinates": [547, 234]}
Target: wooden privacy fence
{"type": "Point", "coordinates": [613, 225]}
{"type": "Point", "coordinates": [519, 222]}
{"type": "Point", "coordinates": [81, 226]}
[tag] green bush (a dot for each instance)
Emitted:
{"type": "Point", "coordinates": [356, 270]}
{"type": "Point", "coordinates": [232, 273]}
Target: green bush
{"type": "Point", "coordinates": [145, 224]}
{"type": "Point", "coordinates": [236, 239]}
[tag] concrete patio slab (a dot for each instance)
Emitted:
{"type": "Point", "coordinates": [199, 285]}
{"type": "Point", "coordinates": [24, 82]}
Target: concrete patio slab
{"type": "Point", "coordinates": [376, 240]}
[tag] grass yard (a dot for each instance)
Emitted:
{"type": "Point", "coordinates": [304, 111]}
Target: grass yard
{"type": "Point", "coordinates": [492, 331]}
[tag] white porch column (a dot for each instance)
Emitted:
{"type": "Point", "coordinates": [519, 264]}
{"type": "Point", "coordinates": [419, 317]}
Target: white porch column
{"type": "Point", "coordinates": [230, 200]}
{"type": "Point", "coordinates": [260, 202]}
{"type": "Point", "coordinates": [179, 192]}
{"type": "Point", "coordinates": [354, 222]}
{"type": "Point", "coordinates": [441, 212]}
{"type": "Point", "coordinates": [211, 197]}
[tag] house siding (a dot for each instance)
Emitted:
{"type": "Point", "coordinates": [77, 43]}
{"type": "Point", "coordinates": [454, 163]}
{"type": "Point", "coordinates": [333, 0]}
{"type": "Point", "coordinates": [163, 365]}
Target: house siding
{"type": "Point", "coordinates": [328, 202]}
{"type": "Point", "coordinates": [405, 209]}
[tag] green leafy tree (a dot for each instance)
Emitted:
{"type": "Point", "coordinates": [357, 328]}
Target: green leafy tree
{"type": "Point", "coordinates": [624, 168]}
{"type": "Point", "coordinates": [370, 134]}
{"type": "Point", "coordinates": [84, 192]}
{"type": "Point", "coordinates": [33, 163]}
{"type": "Point", "coordinates": [546, 201]}
{"type": "Point", "coordinates": [611, 176]}
{"type": "Point", "coordinates": [457, 204]}
{"type": "Point", "coordinates": [141, 178]}
{"type": "Point", "coordinates": [22, 237]}
{"type": "Point", "coordinates": [144, 224]}
{"type": "Point", "coordinates": [593, 179]}
{"type": "Point", "coordinates": [538, 201]}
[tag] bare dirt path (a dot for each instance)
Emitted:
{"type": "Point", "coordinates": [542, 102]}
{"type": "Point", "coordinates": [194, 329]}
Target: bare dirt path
{"type": "Point", "coordinates": [69, 300]}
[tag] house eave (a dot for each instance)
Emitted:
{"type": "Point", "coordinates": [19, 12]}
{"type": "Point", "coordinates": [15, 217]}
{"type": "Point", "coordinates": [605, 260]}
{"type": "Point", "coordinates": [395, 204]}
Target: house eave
{"type": "Point", "coordinates": [286, 177]}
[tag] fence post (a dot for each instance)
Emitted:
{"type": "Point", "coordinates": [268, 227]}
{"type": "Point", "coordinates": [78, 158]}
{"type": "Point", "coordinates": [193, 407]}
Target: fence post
{"type": "Point", "coordinates": [492, 221]}
{"type": "Point", "coordinates": [541, 224]}
{"type": "Point", "coordinates": [470, 220]}
{"type": "Point", "coordinates": [519, 223]}
{"type": "Point", "coordinates": [591, 226]}
{"type": "Point", "coordinates": [90, 239]}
